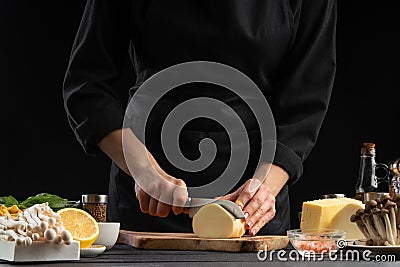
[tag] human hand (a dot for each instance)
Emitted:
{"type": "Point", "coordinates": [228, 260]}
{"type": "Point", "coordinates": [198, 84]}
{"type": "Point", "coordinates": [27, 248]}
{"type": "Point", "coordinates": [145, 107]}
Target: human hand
{"type": "Point", "coordinates": [158, 192]}
{"type": "Point", "coordinates": [257, 202]}
{"type": "Point", "coordinates": [163, 194]}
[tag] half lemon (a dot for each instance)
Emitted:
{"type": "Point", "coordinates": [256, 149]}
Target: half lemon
{"type": "Point", "coordinates": [82, 226]}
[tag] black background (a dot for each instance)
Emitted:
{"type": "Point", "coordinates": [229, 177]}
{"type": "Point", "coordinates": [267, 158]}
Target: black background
{"type": "Point", "coordinates": [39, 152]}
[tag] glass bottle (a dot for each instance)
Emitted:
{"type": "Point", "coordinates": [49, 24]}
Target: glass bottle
{"type": "Point", "coordinates": [367, 180]}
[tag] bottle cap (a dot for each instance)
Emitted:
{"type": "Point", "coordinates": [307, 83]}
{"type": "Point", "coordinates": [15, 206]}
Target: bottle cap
{"type": "Point", "coordinates": [333, 196]}
{"type": "Point", "coordinates": [368, 145]}
{"type": "Point", "coordinates": [368, 148]}
{"type": "Point", "coordinates": [94, 198]}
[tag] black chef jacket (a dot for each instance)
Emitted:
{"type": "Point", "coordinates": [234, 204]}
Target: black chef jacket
{"type": "Point", "coordinates": [287, 47]}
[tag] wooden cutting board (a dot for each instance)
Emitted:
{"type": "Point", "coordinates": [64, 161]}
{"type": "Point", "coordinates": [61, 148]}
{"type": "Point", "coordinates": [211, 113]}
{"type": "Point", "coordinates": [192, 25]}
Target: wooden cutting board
{"type": "Point", "coordinates": [187, 241]}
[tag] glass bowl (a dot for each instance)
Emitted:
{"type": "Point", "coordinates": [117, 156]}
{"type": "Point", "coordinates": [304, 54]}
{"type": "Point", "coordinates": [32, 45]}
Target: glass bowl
{"type": "Point", "coordinates": [317, 241]}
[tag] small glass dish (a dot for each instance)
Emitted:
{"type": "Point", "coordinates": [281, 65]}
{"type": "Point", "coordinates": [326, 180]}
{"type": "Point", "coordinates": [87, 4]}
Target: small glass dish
{"type": "Point", "coordinates": [317, 241]}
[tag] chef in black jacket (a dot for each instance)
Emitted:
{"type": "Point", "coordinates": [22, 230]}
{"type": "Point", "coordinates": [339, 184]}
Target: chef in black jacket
{"type": "Point", "coordinates": [287, 47]}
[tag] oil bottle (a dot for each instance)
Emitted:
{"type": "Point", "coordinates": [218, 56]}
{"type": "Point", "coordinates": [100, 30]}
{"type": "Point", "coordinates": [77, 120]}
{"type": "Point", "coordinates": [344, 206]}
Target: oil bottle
{"type": "Point", "coordinates": [367, 180]}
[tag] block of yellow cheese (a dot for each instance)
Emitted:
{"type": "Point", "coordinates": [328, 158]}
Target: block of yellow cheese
{"type": "Point", "coordinates": [213, 221]}
{"type": "Point", "coordinates": [342, 221]}
{"type": "Point", "coordinates": [332, 213]}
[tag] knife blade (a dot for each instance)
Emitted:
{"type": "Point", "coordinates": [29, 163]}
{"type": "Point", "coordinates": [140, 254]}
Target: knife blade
{"type": "Point", "coordinates": [195, 204]}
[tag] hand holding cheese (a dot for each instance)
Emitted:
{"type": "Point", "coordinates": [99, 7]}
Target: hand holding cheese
{"type": "Point", "coordinates": [257, 196]}
{"type": "Point", "coordinates": [213, 221]}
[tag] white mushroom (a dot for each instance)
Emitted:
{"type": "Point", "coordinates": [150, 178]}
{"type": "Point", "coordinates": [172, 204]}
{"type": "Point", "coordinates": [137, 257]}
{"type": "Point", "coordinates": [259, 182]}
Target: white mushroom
{"type": "Point", "coordinates": [56, 229]}
{"type": "Point", "coordinates": [57, 240]}
{"type": "Point", "coordinates": [37, 229]}
{"type": "Point", "coordinates": [34, 214]}
{"type": "Point", "coordinates": [42, 216]}
{"type": "Point", "coordinates": [61, 227]}
{"type": "Point", "coordinates": [51, 213]}
{"type": "Point", "coordinates": [29, 227]}
{"type": "Point", "coordinates": [66, 235]}
{"type": "Point", "coordinates": [20, 241]}
{"type": "Point", "coordinates": [44, 226]}
{"type": "Point", "coordinates": [29, 233]}
{"type": "Point", "coordinates": [49, 234]}
{"type": "Point", "coordinates": [35, 237]}
{"type": "Point", "coordinates": [28, 241]}
{"type": "Point", "coordinates": [21, 231]}
{"type": "Point", "coordinates": [11, 223]}
{"type": "Point", "coordinates": [52, 221]}
{"type": "Point", "coordinates": [36, 223]}
{"type": "Point", "coordinates": [21, 217]}
{"type": "Point", "coordinates": [12, 234]}
{"type": "Point", "coordinates": [29, 218]}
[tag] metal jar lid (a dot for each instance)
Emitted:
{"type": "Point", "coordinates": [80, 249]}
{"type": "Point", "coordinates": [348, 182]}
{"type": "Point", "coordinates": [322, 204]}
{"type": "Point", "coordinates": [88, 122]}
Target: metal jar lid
{"type": "Point", "coordinates": [333, 196]}
{"type": "Point", "coordinates": [94, 198]}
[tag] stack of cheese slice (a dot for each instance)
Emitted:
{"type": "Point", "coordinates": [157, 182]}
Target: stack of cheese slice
{"type": "Point", "coordinates": [332, 213]}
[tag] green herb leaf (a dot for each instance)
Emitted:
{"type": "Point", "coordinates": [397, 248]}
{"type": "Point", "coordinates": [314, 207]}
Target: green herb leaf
{"type": "Point", "coordinates": [55, 202]}
{"type": "Point", "coordinates": [8, 201]}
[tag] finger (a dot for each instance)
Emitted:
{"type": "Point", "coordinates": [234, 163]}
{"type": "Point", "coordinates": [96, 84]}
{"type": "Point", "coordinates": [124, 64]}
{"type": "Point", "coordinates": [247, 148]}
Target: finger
{"type": "Point", "coordinates": [186, 211]}
{"type": "Point", "coordinates": [247, 193]}
{"type": "Point", "coordinates": [256, 202]}
{"type": "Point", "coordinates": [232, 196]}
{"type": "Point", "coordinates": [165, 199]}
{"type": "Point", "coordinates": [153, 203]}
{"type": "Point", "coordinates": [162, 209]}
{"type": "Point", "coordinates": [261, 212]}
{"type": "Point", "coordinates": [153, 192]}
{"type": "Point", "coordinates": [137, 188]}
{"type": "Point", "coordinates": [143, 198]}
{"type": "Point", "coordinates": [180, 196]}
{"type": "Point", "coordinates": [262, 221]}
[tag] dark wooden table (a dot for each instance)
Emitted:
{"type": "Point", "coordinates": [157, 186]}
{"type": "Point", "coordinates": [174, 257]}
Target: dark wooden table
{"type": "Point", "coordinates": [124, 255]}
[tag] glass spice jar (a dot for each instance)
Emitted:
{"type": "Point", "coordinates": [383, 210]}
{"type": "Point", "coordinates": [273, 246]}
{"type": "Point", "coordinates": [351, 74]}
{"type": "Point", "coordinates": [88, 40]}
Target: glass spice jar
{"type": "Point", "coordinates": [96, 205]}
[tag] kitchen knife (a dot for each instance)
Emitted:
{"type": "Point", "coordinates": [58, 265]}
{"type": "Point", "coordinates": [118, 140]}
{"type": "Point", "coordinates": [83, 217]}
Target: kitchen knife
{"type": "Point", "coordinates": [195, 204]}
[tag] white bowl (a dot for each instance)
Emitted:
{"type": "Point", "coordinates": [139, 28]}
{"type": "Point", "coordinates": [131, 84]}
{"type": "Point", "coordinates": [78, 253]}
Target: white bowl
{"type": "Point", "coordinates": [108, 234]}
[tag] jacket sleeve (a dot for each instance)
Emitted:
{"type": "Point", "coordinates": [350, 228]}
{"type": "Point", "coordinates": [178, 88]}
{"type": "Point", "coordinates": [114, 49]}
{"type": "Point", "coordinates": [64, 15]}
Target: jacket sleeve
{"type": "Point", "coordinates": [304, 84]}
{"type": "Point", "coordinates": [98, 55]}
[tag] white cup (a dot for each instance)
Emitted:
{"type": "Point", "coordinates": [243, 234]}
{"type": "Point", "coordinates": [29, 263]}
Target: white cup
{"type": "Point", "coordinates": [108, 234]}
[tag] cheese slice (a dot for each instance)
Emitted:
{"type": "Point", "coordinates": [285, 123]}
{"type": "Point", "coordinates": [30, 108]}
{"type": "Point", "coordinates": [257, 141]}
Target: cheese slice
{"type": "Point", "coordinates": [342, 221]}
{"type": "Point", "coordinates": [331, 213]}
{"type": "Point", "coordinates": [213, 221]}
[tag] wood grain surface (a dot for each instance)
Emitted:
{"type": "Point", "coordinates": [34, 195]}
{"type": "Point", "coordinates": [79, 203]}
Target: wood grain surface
{"type": "Point", "coordinates": [188, 241]}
